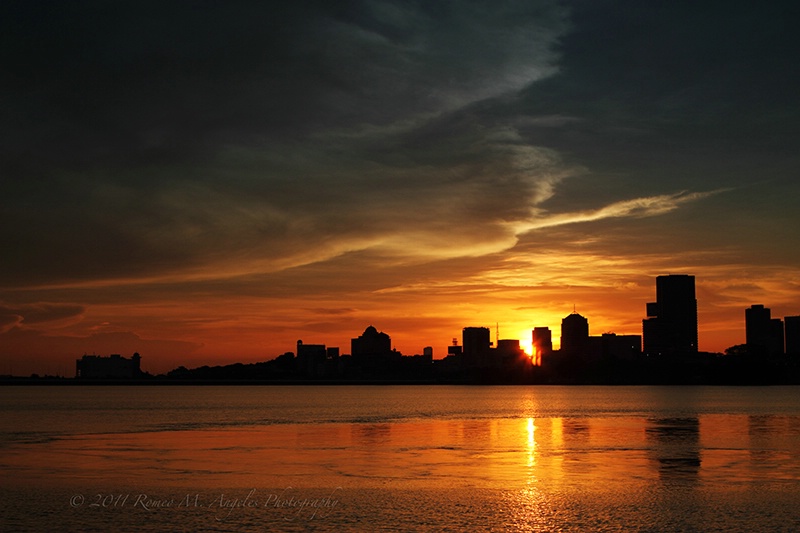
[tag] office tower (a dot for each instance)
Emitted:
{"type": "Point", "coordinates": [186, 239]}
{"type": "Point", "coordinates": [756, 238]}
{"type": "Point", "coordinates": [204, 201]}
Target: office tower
{"type": "Point", "coordinates": [574, 334]}
{"type": "Point", "coordinates": [756, 328]}
{"type": "Point", "coordinates": [505, 355]}
{"type": "Point", "coordinates": [775, 346]}
{"type": "Point", "coordinates": [310, 357]}
{"type": "Point", "coordinates": [671, 326]}
{"type": "Point", "coordinates": [508, 347]}
{"type": "Point", "coordinates": [542, 344]}
{"type": "Point", "coordinates": [763, 334]}
{"type": "Point", "coordinates": [477, 344]}
{"type": "Point", "coordinates": [792, 329]}
{"type": "Point", "coordinates": [620, 346]}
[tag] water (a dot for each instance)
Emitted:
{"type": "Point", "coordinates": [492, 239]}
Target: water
{"type": "Point", "coordinates": [400, 458]}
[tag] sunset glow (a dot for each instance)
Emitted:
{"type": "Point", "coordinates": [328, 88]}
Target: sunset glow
{"type": "Point", "coordinates": [209, 192]}
{"type": "Point", "coordinates": [525, 344]}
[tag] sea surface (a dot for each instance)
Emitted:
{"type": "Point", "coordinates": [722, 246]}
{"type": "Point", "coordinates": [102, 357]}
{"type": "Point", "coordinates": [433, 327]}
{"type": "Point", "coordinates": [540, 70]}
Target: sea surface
{"type": "Point", "coordinates": [399, 458]}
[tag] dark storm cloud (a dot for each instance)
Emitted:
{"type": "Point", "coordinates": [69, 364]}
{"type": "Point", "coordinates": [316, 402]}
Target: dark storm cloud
{"type": "Point", "coordinates": [141, 138]}
{"type": "Point", "coordinates": [674, 89]}
{"type": "Point", "coordinates": [139, 81]}
{"type": "Point", "coordinates": [209, 139]}
{"type": "Point", "coordinates": [146, 81]}
{"type": "Point", "coordinates": [657, 97]}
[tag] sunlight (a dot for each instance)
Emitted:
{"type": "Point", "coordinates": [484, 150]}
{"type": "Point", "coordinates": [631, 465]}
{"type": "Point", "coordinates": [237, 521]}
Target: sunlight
{"type": "Point", "coordinates": [531, 435]}
{"type": "Point", "coordinates": [531, 426]}
{"type": "Point", "coordinates": [526, 342]}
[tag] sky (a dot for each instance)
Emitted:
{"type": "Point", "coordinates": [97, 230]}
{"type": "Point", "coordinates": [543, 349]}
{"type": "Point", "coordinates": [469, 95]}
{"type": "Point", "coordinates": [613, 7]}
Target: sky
{"type": "Point", "coordinates": [207, 182]}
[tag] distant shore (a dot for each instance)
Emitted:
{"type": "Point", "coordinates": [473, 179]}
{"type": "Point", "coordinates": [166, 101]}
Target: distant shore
{"type": "Point", "coordinates": [74, 382]}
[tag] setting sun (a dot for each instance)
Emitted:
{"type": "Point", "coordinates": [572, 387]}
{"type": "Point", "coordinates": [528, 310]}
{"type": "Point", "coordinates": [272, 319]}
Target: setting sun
{"type": "Point", "coordinates": [525, 342]}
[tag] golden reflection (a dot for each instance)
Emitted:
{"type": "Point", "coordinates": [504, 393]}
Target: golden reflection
{"type": "Point", "coordinates": [531, 441]}
{"type": "Point", "coordinates": [531, 427]}
{"type": "Point", "coordinates": [526, 512]}
{"type": "Point", "coordinates": [531, 434]}
{"type": "Point", "coordinates": [534, 456]}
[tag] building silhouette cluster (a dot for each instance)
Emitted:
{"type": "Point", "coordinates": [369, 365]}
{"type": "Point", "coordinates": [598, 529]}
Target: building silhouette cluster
{"type": "Point", "coordinates": [371, 355]}
{"type": "Point", "coordinates": [112, 367]}
{"type": "Point", "coordinates": [666, 352]}
{"type": "Point", "coordinates": [769, 336]}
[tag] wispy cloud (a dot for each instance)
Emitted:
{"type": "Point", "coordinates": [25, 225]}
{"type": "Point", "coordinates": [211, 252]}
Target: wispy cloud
{"type": "Point", "coordinates": [52, 314]}
{"type": "Point", "coordinates": [634, 208]}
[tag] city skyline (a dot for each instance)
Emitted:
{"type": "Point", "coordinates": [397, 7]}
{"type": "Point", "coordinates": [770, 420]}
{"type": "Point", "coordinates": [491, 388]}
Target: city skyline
{"type": "Point", "coordinates": [209, 183]}
{"type": "Point", "coordinates": [765, 336]}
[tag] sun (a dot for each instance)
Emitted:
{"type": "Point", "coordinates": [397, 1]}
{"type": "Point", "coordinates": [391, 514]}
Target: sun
{"type": "Point", "coordinates": [526, 342]}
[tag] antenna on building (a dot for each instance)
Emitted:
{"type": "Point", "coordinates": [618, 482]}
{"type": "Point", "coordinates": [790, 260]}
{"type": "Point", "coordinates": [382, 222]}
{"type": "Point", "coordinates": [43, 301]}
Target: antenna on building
{"type": "Point", "coordinates": [497, 332]}
{"type": "Point", "coordinates": [574, 309]}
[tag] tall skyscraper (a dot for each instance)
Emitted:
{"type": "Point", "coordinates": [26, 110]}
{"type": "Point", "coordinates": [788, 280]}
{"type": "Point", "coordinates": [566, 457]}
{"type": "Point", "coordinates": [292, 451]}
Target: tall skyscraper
{"type": "Point", "coordinates": [542, 344]}
{"type": "Point", "coordinates": [671, 326]}
{"type": "Point", "coordinates": [792, 329]}
{"type": "Point", "coordinates": [477, 346]}
{"type": "Point", "coordinates": [574, 334]}
{"type": "Point", "coordinates": [776, 337]}
{"type": "Point", "coordinates": [763, 334]}
{"type": "Point", "coordinates": [756, 327]}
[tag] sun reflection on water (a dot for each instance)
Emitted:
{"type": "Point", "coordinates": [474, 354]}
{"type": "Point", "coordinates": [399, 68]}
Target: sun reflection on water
{"type": "Point", "coordinates": [531, 426]}
{"type": "Point", "coordinates": [531, 449]}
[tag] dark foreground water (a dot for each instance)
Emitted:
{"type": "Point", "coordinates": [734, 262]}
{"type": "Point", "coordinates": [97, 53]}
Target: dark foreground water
{"type": "Point", "coordinates": [404, 458]}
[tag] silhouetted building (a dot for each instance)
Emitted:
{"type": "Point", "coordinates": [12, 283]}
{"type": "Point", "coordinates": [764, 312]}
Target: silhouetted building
{"type": "Point", "coordinates": [477, 346]}
{"type": "Point", "coordinates": [580, 348]}
{"type": "Point", "coordinates": [756, 327]}
{"type": "Point", "coordinates": [671, 326]}
{"type": "Point", "coordinates": [311, 350]}
{"type": "Point", "coordinates": [791, 326]}
{"type": "Point", "coordinates": [371, 342]}
{"type": "Point", "coordinates": [372, 354]}
{"type": "Point", "coordinates": [541, 343]}
{"type": "Point", "coordinates": [508, 346]}
{"type": "Point", "coordinates": [455, 350]}
{"type": "Point", "coordinates": [574, 335]}
{"type": "Point", "coordinates": [311, 359]}
{"type": "Point", "coordinates": [620, 346]}
{"type": "Point", "coordinates": [776, 337]}
{"type": "Point", "coordinates": [507, 351]}
{"type": "Point", "coordinates": [113, 367]}
{"type": "Point", "coordinates": [763, 334]}
{"type": "Point", "coordinates": [508, 363]}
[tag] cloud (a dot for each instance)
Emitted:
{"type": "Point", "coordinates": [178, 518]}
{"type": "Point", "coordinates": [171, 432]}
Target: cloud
{"type": "Point", "coordinates": [634, 208]}
{"type": "Point", "coordinates": [148, 82]}
{"type": "Point", "coordinates": [8, 320]}
{"type": "Point", "coordinates": [244, 143]}
{"type": "Point", "coordinates": [154, 141]}
{"type": "Point", "coordinates": [37, 313]}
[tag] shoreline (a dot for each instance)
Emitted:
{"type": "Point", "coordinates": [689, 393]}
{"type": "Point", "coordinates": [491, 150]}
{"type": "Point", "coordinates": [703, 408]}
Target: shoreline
{"type": "Point", "coordinates": [74, 382]}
